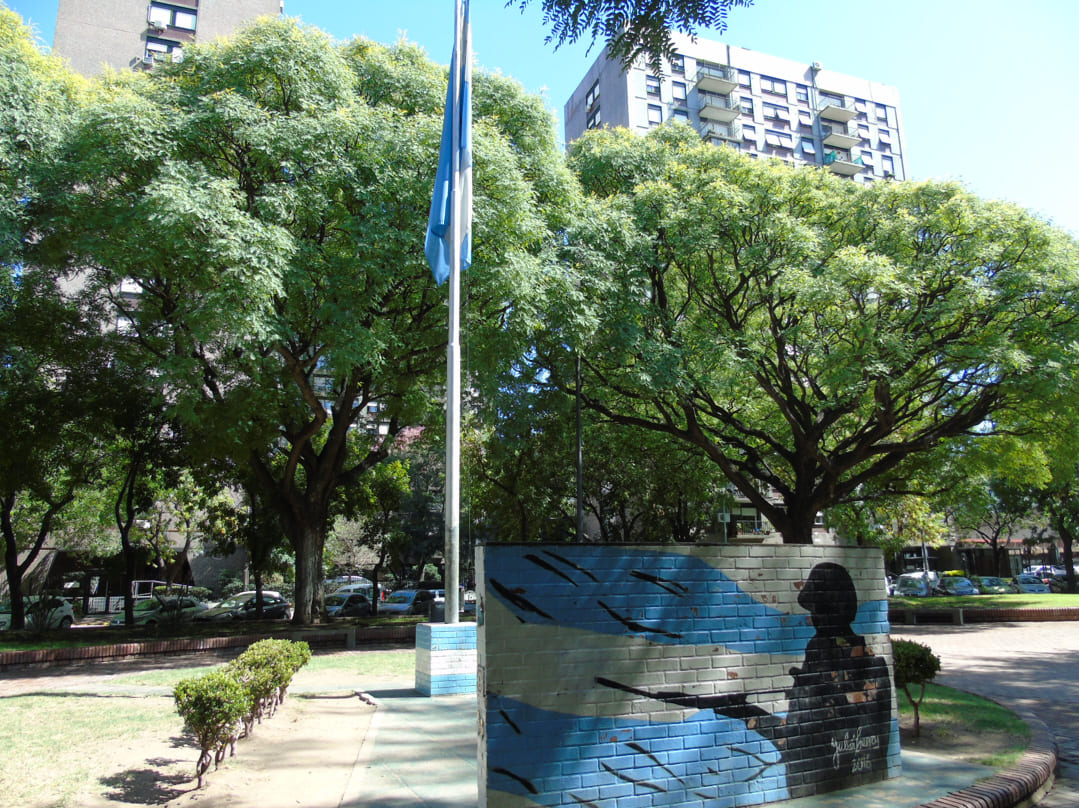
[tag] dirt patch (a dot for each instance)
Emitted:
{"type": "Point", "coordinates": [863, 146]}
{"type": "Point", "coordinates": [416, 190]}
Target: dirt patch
{"type": "Point", "coordinates": [286, 761]}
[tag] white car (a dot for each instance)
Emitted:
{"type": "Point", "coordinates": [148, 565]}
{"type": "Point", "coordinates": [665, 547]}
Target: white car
{"type": "Point", "coordinates": [57, 611]}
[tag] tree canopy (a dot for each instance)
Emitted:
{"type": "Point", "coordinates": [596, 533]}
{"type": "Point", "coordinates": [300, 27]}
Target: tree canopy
{"type": "Point", "coordinates": [805, 333]}
{"type": "Point", "coordinates": [266, 200]}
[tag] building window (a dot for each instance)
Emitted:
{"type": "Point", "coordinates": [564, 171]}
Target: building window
{"type": "Point", "coordinates": [159, 50]}
{"type": "Point", "coordinates": [678, 64]}
{"type": "Point", "coordinates": [885, 138]}
{"type": "Point", "coordinates": [749, 132]}
{"type": "Point", "coordinates": [743, 78]}
{"type": "Point", "coordinates": [882, 112]}
{"type": "Point", "coordinates": [651, 85]}
{"type": "Point", "coordinates": [776, 112]}
{"type": "Point", "coordinates": [655, 114]}
{"type": "Point", "coordinates": [868, 158]}
{"type": "Point", "coordinates": [863, 131]}
{"type": "Point", "coordinates": [747, 106]}
{"type": "Point", "coordinates": [594, 120]}
{"type": "Point", "coordinates": [888, 165]}
{"type": "Point", "coordinates": [779, 140]}
{"type": "Point", "coordinates": [680, 115]}
{"type": "Point", "coordinates": [808, 147]}
{"type": "Point", "coordinates": [770, 85]}
{"type": "Point", "coordinates": [831, 100]}
{"type": "Point", "coordinates": [164, 16]}
{"type": "Point", "coordinates": [805, 119]}
{"type": "Point", "coordinates": [801, 93]}
{"type": "Point", "coordinates": [678, 90]}
{"type": "Point", "coordinates": [593, 95]}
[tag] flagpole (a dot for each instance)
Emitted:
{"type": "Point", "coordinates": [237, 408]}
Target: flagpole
{"type": "Point", "coordinates": [452, 550]}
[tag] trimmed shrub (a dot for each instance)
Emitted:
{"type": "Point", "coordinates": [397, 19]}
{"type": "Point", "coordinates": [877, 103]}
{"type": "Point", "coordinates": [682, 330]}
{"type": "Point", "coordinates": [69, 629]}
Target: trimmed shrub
{"type": "Point", "coordinates": [213, 707]}
{"type": "Point", "coordinates": [915, 664]}
{"type": "Point", "coordinates": [222, 706]}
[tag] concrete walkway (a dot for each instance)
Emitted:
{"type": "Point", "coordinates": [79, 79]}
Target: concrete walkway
{"type": "Point", "coordinates": [1029, 667]}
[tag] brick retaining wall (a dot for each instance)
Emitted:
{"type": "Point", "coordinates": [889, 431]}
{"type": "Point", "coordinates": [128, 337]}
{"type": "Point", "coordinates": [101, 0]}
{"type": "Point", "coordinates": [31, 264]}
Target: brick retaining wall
{"type": "Point", "coordinates": [347, 637]}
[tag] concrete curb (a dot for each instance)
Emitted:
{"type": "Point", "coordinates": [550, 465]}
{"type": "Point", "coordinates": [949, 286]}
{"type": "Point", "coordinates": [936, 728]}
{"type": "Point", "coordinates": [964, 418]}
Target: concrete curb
{"type": "Point", "coordinates": [1024, 784]}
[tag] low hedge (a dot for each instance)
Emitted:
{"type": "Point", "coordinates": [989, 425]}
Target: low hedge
{"type": "Point", "coordinates": [222, 706]}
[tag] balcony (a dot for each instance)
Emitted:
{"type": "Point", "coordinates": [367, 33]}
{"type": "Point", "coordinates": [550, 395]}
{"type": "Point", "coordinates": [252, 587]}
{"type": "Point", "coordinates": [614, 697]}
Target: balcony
{"type": "Point", "coordinates": [718, 79]}
{"type": "Point", "coordinates": [713, 130]}
{"type": "Point", "coordinates": [839, 163]}
{"type": "Point", "coordinates": [834, 109]}
{"type": "Point", "coordinates": [720, 107]}
{"type": "Point", "coordinates": [840, 137]}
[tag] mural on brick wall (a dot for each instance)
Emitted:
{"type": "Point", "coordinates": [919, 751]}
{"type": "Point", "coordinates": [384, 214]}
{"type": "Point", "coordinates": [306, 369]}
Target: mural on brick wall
{"type": "Point", "coordinates": [620, 675]}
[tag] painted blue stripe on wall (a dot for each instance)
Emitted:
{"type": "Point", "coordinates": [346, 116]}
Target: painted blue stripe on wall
{"type": "Point", "coordinates": [668, 598]}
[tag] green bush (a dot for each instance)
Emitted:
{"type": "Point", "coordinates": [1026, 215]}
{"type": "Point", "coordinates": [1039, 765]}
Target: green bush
{"type": "Point", "coordinates": [213, 707]}
{"type": "Point", "coordinates": [216, 706]}
{"type": "Point", "coordinates": [915, 665]}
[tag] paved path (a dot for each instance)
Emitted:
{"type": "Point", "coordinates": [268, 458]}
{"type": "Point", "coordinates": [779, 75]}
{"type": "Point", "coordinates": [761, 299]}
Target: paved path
{"type": "Point", "coordinates": [1031, 667]}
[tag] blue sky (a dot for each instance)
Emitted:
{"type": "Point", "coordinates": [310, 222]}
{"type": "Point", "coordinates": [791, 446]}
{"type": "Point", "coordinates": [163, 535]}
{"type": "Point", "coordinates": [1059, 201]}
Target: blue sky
{"type": "Point", "coordinates": [988, 88]}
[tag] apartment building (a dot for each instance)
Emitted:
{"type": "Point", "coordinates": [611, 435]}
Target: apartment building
{"type": "Point", "coordinates": [766, 106]}
{"type": "Point", "coordinates": [135, 34]}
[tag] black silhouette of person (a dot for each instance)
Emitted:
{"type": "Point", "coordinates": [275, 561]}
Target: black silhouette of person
{"type": "Point", "coordinates": [836, 731]}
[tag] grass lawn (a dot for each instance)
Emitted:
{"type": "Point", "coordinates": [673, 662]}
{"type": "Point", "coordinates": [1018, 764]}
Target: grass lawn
{"type": "Point", "coordinates": [1019, 601]}
{"type": "Point", "coordinates": [951, 716]}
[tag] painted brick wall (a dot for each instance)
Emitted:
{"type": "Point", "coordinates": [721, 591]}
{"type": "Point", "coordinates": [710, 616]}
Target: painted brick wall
{"type": "Point", "coordinates": [619, 676]}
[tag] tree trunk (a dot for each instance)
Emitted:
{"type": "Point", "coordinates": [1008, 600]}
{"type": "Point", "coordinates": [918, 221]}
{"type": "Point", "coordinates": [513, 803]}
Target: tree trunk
{"type": "Point", "coordinates": [1067, 539]}
{"type": "Point", "coordinates": [130, 571]}
{"type": "Point", "coordinates": [308, 545]}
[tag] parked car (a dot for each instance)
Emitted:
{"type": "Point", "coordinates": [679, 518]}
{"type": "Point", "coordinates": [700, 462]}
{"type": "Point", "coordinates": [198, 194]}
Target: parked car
{"type": "Point", "coordinates": [56, 611]}
{"type": "Point", "coordinates": [365, 588]}
{"type": "Point", "coordinates": [1044, 571]}
{"type": "Point", "coordinates": [1031, 585]}
{"type": "Point", "coordinates": [955, 585]}
{"type": "Point", "coordinates": [1058, 583]}
{"type": "Point", "coordinates": [348, 604]}
{"type": "Point", "coordinates": [912, 585]}
{"type": "Point", "coordinates": [409, 601]}
{"type": "Point", "coordinates": [990, 585]}
{"type": "Point", "coordinates": [164, 610]}
{"type": "Point", "coordinates": [243, 607]}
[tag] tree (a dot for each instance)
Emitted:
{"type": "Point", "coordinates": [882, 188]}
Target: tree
{"type": "Point", "coordinates": [915, 664]}
{"type": "Point", "coordinates": [55, 388]}
{"type": "Point", "coordinates": [807, 334]}
{"type": "Point", "coordinates": [992, 510]}
{"type": "Point", "coordinates": [637, 487]}
{"type": "Point", "coordinates": [630, 27]}
{"type": "Point", "coordinates": [891, 523]}
{"type": "Point", "coordinates": [374, 512]}
{"type": "Point", "coordinates": [267, 198]}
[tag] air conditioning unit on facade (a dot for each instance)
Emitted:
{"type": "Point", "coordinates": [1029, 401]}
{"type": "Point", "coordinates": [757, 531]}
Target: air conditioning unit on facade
{"type": "Point", "coordinates": [157, 26]}
{"type": "Point", "coordinates": [817, 66]}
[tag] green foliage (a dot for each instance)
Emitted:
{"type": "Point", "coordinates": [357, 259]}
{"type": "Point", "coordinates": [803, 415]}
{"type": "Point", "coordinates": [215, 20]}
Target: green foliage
{"type": "Point", "coordinates": [633, 29]}
{"type": "Point", "coordinates": [212, 707]}
{"type": "Point", "coordinates": [915, 665]}
{"type": "Point", "coordinates": [284, 293]}
{"type": "Point", "coordinates": [215, 705]}
{"type": "Point", "coordinates": [807, 334]}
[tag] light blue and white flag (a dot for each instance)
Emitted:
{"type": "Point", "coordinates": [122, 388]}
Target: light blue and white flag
{"type": "Point", "coordinates": [452, 199]}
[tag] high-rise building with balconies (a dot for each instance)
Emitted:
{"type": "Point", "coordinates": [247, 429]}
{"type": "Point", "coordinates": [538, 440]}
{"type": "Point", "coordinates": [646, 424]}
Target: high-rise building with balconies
{"type": "Point", "coordinates": [763, 105]}
{"type": "Point", "coordinates": [135, 34]}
